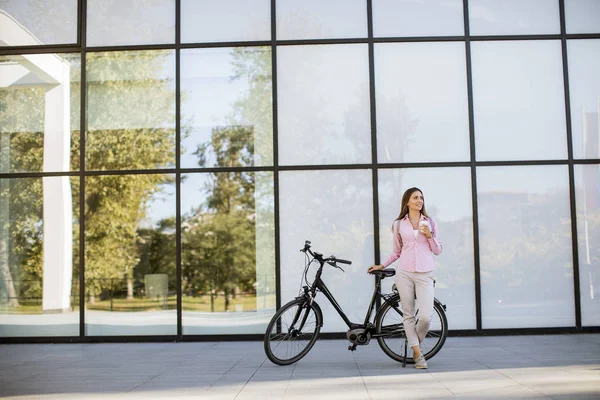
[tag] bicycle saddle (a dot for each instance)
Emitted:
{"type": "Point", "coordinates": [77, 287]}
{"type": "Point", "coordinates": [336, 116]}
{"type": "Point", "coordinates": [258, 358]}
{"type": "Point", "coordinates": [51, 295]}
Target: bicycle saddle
{"type": "Point", "coordinates": [385, 273]}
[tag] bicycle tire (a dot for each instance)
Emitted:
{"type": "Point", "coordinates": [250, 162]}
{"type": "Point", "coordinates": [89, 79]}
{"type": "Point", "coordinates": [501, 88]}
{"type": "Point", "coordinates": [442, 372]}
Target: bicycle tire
{"type": "Point", "coordinates": [280, 337]}
{"type": "Point", "coordinates": [392, 342]}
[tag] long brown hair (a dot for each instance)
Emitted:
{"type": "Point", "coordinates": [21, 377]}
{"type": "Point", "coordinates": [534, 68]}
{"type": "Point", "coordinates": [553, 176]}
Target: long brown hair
{"type": "Point", "coordinates": [404, 205]}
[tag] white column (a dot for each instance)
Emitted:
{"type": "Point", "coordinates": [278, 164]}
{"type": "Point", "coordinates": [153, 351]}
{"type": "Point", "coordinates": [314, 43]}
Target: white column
{"type": "Point", "coordinates": [58, 213]}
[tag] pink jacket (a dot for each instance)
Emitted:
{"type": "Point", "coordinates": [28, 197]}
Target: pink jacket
{"type": "Point", "coordinates": [416, 254]}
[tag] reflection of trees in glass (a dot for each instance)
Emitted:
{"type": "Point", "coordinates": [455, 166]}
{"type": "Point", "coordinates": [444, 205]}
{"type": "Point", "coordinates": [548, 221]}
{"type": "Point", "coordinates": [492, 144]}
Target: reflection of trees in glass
{"type": "Point", "coordinates": [219, 251]}
{"type": "Point", "coordinates": [22, 254]}
{"type": "Point", "coordinates": [219, 237]}
{"type": "Point", "coordinates": [130, 119]}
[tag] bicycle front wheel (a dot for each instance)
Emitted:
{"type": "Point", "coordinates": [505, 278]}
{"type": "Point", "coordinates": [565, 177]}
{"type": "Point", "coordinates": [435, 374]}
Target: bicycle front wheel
{"type": "Point", "coordinates": [292, 332]}
{"type": "Point", "coordinates": [391, 335]}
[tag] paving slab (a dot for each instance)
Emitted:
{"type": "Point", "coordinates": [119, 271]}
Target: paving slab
{"type": "Point", "coordinates": [501, 367]}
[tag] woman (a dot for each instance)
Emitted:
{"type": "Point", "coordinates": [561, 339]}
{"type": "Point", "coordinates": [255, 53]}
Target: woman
{"type": "Point", "coordinates": [415, 244]}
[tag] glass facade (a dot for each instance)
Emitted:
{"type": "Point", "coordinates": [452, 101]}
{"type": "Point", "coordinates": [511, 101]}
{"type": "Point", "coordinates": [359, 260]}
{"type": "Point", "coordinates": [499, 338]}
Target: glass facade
{"type": "Point", "coordinates": [163, 161]}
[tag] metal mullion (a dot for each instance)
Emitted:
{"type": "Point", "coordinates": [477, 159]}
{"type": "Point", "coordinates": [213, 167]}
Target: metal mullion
{"type": "Point", "coordinates": [200, 45]}
{"type": "Point", "coordinates": [587, 161]}
{"type": "Point", "coordinates": [40, 174]}
{"type": "Point", "coordinates": [573, 210]}
{"type": "Point", "coordinates": [410, 39]}
{"type": "Point", "coordinates": [140, 47]}
{"type": "Point", "coordinates": [473, 166]}
{"type": "Point", "coordinates": [82, 132]}
{"type": "Point", "coordinates": [276, 169]}
{"type": "Point", "coordinates": [48, 49]}
{"type": "Point", "coordinates": [497, 38]}
{"type": "Point", "coordinates": [303, 42]}
{"type": "Point", "coordinates": [582, 36]}
{"type": "Point", "coordinates": [374, 170]}
{"type": "Point", "coordinates": [225, 169]}
{"type": "Point", "coordinates": [178, 243]}
{"type": "Point", "coordinates": [131, 172]}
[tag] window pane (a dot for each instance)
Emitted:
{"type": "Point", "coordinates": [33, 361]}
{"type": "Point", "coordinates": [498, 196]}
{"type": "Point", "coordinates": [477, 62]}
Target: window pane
{"type": "Point", "coordinates": [39, 256]}
{"type": "Point", "coordinates": [519, 103]}
{"type": "Point", "coordinates": [584, 92]}
{"type": "Point", "coordinates": [228, 252]}
{"type": "Point", "coordinates": [316, 19]}
{"type": "Point", "coordinates": [323, 104]}
{"type": "Point", "coordinates": [130, 252]}
{"type": "Point", "coordinates": [418, 18]}
{"type": "Point", "coordinates": [421, 91]}
{"type": "Point", "coordinates": [225, 20]}
{"type": "Point", "coordinates": [130, 22]}
{"type": "Point", "coordinates": [587, 195]}
{"type": "Point", "coordinates": [525, 247]}
{"type": "Point", "coordinates": [332, 209]}
{"type": "Point", "coordinates": [226, 92]}
{"type": "Point", "coordinates": [582, 16]}
{"type": "Point", "coordinates": [39, 112]}
{"type": "Point", "coordinates": [130, 110]}
{"type": "Point", "coordinates": [513, 17]}
{"type": "Point", "coordinates": [37, 22]}
{"type": "Point", "coordinates": [454, 274]}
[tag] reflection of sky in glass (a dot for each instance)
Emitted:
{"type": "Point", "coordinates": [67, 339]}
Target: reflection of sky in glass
{"type": "Point", "coordinates": [584, 93]}
{"type": "Point", "coordinates": [323, 104]}
{"type": "Point", "coordinates": [417, 18]}
{"type": "Point", "coordinates": [225, 20]}
{"type": "Point", "coordinates": [317, 19]}
{"type": "Point", "coordinates": [161, 206]}
{"type": "Point", "coordinates": [525, 236]}
{"type": "Point", "coordinates": [130, 22]}
{"type": "Point", "coordinates": [422, 110]}
{"type": "Point", "coordinates": [582, 16]}
{"type": "Point", "coordinates": [587, 197]}
{"type": "Point", "coordinates": [518, 100]}
{"type": "Point", "coordinates": [209, 92]}
{"type": "Point", "coordinates": [49, 21]}
{"type": "Point", "coordinates": [513, 17]}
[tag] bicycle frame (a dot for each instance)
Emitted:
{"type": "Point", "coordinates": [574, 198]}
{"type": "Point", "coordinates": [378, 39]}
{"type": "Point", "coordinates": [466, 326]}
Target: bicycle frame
{"type": "Point", "coordinates": [318, 284]}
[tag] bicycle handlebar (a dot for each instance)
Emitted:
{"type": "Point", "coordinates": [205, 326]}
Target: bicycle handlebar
{"type": "Point", "coordinates": [319, 256]}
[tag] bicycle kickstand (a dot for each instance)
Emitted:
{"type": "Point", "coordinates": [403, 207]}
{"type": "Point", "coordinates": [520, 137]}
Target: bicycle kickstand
{"type": "Point", "coordinates": [352, 347]}
{"type": "Point", "coordinates": [405, 349]}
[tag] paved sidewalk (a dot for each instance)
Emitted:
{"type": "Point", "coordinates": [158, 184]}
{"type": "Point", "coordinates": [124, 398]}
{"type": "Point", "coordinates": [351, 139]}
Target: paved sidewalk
{"type": "Point", "coordinates": [509, 367]}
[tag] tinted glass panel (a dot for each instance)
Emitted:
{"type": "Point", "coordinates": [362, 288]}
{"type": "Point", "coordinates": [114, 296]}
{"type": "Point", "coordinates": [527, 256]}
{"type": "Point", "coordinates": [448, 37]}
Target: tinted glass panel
{"type": "Point", "coordinates": [323, 104]}
{"type": "Point", "coordinates": [37, 22]}
{"type": "Point", "coordinates": [584, 94]}
{"type": "Point", "coordinates": [39, 112]}
{"type": "Point", "coordinates": [421, 92]}
{"type": "Point", "coordinates": [418, 18]}
{"type": "Point", "coordinates": [39, 256]}
{"type": "Point", "coordinates": [225, 20]}
{"type": "Point", "coordinates": [130, 251]}
{"type": "Point", "coordinates": [454, 273]}
{"type": "Point", "coordinates": [315, 19]}
{"type": "Point", "coordinates": [525, 247]}
{"type": "Point", "coordinates": [226, 93]}
{"type": "Point", "coordinates": [130, 22]}
{"type": "Point", "coordinates": [228, 252]}
{"type": "Point", "coordinates": [332, 209]}
{"type": "Point", "coordinates": [130, 110]}
{"type": "Point", "coordinates": [587, 195]}
{"type": "Point", "coordinates": [519, 102]}
{"type": "Point", "coordinates": [582, 16]}
{"type": "Point", "coordinates": [513, 17]}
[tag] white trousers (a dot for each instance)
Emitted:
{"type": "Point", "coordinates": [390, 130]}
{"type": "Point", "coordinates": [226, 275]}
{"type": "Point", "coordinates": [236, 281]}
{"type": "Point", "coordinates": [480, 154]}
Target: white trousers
{"type": "Point", "coordinates": [419, 284]}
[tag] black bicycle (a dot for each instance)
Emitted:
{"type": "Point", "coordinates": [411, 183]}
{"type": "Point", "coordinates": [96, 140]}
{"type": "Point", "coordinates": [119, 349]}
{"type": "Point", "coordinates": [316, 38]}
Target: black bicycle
{"type": "Point", "coordinates": [295, 328]}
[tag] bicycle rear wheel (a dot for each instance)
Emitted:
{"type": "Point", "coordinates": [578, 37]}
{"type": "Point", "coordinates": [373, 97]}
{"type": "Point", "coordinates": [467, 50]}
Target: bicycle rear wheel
{"type": "Point", "coordinates": [390, 325]}
{"type": "Point", "coordinates": [292, 332]}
